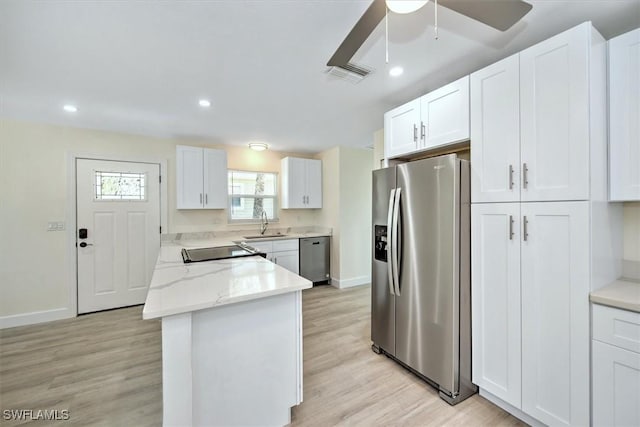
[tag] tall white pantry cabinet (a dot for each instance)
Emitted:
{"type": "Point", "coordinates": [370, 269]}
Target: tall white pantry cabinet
{"type": "Point", "coordinates": [543, 234]}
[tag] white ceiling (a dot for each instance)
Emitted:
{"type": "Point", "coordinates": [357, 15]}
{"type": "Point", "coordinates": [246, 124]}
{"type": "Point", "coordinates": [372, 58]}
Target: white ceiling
{"type": "Point", "coordinates": [141, 66]}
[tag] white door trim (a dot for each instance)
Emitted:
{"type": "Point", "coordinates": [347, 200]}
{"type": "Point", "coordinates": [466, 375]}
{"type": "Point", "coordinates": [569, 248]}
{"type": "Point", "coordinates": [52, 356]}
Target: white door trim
{"type": "Point", "coordinates": [71, 219]}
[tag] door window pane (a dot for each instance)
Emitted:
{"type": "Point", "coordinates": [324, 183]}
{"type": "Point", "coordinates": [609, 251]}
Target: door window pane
{"type": "Point", "coordinates": [120, 186]}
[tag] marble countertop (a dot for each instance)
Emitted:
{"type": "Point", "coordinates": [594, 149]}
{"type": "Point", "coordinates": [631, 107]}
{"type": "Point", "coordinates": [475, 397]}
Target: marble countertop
{"type": "Point", "coordinates": [177, 287]}
{"type": "Point", "coordinates": [622, 293]}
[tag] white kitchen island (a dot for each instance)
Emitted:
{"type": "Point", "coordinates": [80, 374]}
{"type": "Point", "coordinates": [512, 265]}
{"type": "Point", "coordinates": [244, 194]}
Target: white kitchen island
{"type": "Point", "coordinates": [231, 339]}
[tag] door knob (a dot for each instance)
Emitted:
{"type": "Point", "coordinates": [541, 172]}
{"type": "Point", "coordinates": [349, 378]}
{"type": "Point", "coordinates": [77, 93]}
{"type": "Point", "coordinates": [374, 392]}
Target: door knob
{"type": "Point", "coordinates": [85, 244]}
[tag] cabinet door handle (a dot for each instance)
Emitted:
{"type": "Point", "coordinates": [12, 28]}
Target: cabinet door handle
{"type": "Point", "coordinates": [415, 133]}
{"type": "Point", "coordinates": [525, 233]}
{"type": "Point", "coordinates": [510, 177]}
{"type": "Point", "coordinates": [510, 227]}
{"type": "Point", "coordinates": [423, 131]}
{"type": "Point", "coordinates": [200, 198]}
{"type": "Point", "coordinates": [206, 199]}
{"type": "Point", "coordinates": [303, 200]}
{"type": "Point", "coordinates": [525, 178]}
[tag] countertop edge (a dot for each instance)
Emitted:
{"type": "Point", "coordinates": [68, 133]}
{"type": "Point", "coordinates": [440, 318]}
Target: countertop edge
{"type": "Point", "coordinates": [213, 304]}
{"type": "Point", "coordinates": [621, 294]}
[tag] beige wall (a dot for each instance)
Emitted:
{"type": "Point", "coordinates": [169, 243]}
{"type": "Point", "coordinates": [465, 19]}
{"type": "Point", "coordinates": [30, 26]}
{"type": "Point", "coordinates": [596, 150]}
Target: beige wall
{"type": "Point", "coordinates": [632, 231]}
{"type": "Point", "coordinates": [378, 148]}
{"type": "Point", "coordinates": [346, 183]}
{"type": "Point", "coordinates": [355, 216]}
{"type": "Point", "coordinates": [329, 215]}
{"type": "Point", "coordinates": [35, 273]}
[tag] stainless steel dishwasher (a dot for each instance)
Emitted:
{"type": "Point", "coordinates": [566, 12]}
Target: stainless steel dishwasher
{"type": "Point", "coordinates": [315, 259]}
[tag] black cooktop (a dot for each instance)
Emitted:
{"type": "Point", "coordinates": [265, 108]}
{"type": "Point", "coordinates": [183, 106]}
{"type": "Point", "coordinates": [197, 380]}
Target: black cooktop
{"type": "Point", "coordinates": [220, 252]}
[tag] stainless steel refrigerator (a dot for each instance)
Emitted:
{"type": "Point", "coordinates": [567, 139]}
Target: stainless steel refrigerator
{"type": "Point", "coordinates": [420, 298]}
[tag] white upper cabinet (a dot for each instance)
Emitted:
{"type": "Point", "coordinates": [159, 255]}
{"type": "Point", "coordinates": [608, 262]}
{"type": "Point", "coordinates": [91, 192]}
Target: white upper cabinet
{"type": "Point", "coordinates": [201, 178]}
{"type": "Point", "coordinates": [444, 114]}
{"type": "Point", "coordinates": [495, 132]}
{"type": "Point", "coordinates": [314, 183]}
{"type": "Point", "coordinates": [301, 183]}
{"type": "Point", "coordinates": [401, 129]}
{"type": "Point", "coordinates": [624, 116]}
{"type": "Point", "coordinates": [535, 123]}
{"type": "Point", "coordinates": [554, 114]}
{"type": "Point", "coordinates": [438, 118]}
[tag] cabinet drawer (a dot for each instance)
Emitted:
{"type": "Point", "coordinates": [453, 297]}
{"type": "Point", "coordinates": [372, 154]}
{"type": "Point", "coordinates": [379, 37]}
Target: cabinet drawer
{"type": "Point", "coordinates": [617, 327]}
{"type": "Point", "coordinates": [285, 245]}
{"type": "Point", "coordinates": [265, 247]}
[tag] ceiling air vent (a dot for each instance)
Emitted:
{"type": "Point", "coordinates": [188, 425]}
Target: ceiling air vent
{"type": "Point", "coordinates": [350, 72]}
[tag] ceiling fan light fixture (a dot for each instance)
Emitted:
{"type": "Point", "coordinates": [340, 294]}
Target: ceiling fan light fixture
{"type": "Point", "coordinates": [405, 6]}
{"type": "Point", "coordinates": [258, 146]}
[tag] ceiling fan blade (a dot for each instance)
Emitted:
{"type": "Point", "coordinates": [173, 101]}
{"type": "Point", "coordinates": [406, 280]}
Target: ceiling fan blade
{"type": "Point", "coordinates": [499, 14]}
{"type": "Point", "coordinates": [359, 33]}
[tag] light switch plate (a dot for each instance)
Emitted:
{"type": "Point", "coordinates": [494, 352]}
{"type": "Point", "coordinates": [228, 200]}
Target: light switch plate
{"type": "Point", "coordinates": [55, 226]}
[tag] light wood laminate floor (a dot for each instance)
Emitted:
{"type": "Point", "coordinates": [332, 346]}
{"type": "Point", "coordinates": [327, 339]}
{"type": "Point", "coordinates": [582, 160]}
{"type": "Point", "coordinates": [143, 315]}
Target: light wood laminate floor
{"type": "Point", "coordinates": [105, 368]}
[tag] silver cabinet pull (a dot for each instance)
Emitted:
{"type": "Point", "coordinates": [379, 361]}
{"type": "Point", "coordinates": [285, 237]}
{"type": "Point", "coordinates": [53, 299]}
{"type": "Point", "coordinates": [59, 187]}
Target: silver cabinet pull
{"type": "Point", "coordinates": [510, 227]}
{"type": "Point", "coordinates": [303, 200]}
{"type": "Point", "coordinates": [510, 177]}
{"type": "Point", "coordinates": [200, 198]}
{"type": "Point", "coordinates": [525, 179]}
{"type": "Point", "coordinates": [525, 233]}
{"type": "Point", "coordinates": [423, 131]}
{"type": "Point", "coordinates": [415, 133]}
{"type": "Point", "coordinates": [206, 199]}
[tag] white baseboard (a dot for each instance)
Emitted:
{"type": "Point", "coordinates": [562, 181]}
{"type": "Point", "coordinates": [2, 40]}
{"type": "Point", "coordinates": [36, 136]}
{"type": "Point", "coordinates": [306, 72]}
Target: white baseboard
{"type": "Point", "coordinates": [510, 408]}
{"type": "Point", "coordinates": [35, 317]}
{"type": "Point", "coordinates": [348, 283]}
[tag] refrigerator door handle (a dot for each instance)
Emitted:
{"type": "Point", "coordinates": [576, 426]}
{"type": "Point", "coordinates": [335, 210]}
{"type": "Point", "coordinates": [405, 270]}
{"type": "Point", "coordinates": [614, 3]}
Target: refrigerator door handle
{"type": "Point", "coordinates": [394, 243]}
{"type": "Point", "coordinates": [392, 198]}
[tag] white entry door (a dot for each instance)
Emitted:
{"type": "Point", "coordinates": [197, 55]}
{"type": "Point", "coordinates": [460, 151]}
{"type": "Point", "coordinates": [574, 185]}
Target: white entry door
{"type": "Point", "coordinates": [118, 232]}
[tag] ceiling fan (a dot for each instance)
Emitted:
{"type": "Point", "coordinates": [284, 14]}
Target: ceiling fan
{"type": "Point", "coordinates": [499, 14]}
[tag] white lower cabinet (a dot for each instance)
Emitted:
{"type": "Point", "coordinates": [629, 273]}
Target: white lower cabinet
{"type": "Point", "coordinates": [286, 259]}
{"type": "Point", "coordinates": [555, 270]}
{"type": "Point", "coordinates": [530, 309]}
{"type": "Point", "coordinates": [285, 253]}
{"type": "Point", "coordinates": [616, 367]}
{"type": "Point", "coordinates": [495, 295]}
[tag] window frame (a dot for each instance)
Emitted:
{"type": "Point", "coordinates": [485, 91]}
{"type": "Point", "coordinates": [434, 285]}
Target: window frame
{"type": "Point", "coordinates": [230, 196]}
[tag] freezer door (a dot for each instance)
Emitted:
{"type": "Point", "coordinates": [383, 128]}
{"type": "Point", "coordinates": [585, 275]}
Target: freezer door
{"type": "Point", "coordinates": [427, 306]}
{"type": "Point", "coordinates": [382, 300]}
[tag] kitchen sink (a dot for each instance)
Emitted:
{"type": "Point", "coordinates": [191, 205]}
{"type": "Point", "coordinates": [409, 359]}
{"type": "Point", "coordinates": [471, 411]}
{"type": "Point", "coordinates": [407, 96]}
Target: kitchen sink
{"type": "Point", "coordinates": [266, 236]}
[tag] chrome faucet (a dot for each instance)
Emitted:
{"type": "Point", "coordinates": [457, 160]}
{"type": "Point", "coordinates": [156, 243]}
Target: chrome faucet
{"type": "Point", "coordinates": [263, 222]}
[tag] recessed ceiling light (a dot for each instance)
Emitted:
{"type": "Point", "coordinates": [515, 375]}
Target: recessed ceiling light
{"type": "Point", "coordinates": [204, 103]}
{"type": "Point", "coordinates": [258, 146]}
{"type": "Point", "coordinates": [70, 108]}
{"type": "Point", "coordinates": [396, 71]}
